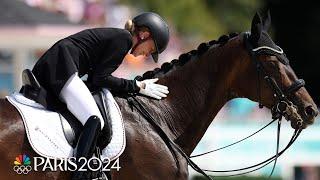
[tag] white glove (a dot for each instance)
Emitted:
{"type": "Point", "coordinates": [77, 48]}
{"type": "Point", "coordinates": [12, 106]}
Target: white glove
{"type": "Point", "coordinates": [150, 88]}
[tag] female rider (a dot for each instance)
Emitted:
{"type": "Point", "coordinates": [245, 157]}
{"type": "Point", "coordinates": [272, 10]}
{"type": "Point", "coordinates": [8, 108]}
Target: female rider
{"type": "Point", "coordinates": [98, 52]}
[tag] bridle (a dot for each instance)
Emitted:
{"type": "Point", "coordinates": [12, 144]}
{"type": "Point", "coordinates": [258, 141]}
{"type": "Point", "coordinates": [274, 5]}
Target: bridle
{"type": "Point", "coordinates": [282, 107]}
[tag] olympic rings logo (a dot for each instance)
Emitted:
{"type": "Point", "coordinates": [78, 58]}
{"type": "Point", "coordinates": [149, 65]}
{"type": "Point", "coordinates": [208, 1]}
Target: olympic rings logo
{"type": "Point", "coordinates": [22, 169]}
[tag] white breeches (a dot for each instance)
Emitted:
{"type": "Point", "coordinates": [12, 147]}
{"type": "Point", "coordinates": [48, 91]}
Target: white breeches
{"type": "Point", "coordinates": [79, 100]}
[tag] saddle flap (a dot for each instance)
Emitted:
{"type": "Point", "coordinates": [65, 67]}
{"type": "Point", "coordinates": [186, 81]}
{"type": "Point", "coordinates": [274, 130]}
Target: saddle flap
{"type": "Point", "coordinates": [106, 133]}
{"type": "Point", "coordinates": [68, 131]}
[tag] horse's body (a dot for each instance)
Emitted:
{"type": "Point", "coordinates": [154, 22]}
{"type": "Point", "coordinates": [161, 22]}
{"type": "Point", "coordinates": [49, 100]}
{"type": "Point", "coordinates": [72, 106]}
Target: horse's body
{"type": "Point", "coordinates": [146, 155]}
{"type": "Point", "coordinates": [198, 90]}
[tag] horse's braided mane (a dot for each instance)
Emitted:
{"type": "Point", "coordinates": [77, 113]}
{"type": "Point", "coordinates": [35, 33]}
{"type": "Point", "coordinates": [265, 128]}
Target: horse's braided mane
{"type": "Point", "coordinates": [184, 58]}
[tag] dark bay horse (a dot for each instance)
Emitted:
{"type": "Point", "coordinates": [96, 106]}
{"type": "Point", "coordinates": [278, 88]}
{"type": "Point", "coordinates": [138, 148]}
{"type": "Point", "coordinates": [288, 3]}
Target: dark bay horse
{"type": "Point", "coordinates": [200, 83]}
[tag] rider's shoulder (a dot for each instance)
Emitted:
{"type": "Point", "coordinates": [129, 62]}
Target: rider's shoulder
{"type": "Point", "coordinates": [115, 34]}
{"type": "Point", "coordinates": [112, 31]}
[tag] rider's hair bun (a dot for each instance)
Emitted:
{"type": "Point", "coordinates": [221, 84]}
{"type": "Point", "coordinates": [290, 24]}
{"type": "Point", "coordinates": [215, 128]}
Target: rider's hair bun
{"type": "Point", "coordinates": [129, 26]}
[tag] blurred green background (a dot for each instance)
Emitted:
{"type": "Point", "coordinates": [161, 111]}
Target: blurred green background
{"type": "Point", "coordinates": [202, 20]}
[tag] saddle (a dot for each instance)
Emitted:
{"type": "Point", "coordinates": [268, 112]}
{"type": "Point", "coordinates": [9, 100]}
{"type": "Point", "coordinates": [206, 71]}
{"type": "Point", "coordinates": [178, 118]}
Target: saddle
{"type": "Point", "coordinates": [32, 89]}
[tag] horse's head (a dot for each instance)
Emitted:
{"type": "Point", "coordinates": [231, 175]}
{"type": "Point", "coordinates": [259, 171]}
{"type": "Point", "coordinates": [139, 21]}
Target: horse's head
{"type": "Point", "coordinates": [272, 81]}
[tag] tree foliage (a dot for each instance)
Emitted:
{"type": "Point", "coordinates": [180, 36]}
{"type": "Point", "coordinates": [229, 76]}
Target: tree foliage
{"type": "Point", "coordinates": [207, 19]}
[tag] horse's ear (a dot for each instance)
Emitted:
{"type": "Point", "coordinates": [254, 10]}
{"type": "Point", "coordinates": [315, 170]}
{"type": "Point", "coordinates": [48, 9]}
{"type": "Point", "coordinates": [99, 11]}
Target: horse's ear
{"type": "Point", "coordinates": [256, 28]}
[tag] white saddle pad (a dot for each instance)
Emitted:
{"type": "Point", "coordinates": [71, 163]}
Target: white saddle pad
{"type": "Point", "coordinates": [45, 133]}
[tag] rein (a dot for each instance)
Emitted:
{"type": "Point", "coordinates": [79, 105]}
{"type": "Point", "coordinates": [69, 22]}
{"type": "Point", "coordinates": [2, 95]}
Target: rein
{"type": "Point", "coordinates": [133, 102]}
{"type": "Point", "coordinates": [283, 107]}
{"type": "Point", "coordinates": [218, 149]}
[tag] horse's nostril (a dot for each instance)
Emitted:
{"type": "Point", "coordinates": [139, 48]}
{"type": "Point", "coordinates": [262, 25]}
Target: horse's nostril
{"type": "Point", "coordinates": [310, 111]}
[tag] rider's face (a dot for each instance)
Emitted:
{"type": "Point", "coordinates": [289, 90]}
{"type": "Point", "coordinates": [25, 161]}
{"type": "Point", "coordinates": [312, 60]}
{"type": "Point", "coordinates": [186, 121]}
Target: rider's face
{"type": "Point", "coordinates": [146, 47]}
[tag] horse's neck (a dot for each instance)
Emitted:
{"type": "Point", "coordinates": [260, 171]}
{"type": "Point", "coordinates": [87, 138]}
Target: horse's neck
{"type": "Point", "coordinates": [198, 90]}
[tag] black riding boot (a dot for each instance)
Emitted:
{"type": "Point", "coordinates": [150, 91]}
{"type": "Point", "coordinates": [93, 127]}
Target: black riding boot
{"type": "Point", "coordinates": [87, 143]}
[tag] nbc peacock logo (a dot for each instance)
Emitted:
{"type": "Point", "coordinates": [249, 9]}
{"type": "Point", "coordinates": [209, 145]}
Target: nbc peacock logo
{"type": "Point", "coordinates": [22, 164]}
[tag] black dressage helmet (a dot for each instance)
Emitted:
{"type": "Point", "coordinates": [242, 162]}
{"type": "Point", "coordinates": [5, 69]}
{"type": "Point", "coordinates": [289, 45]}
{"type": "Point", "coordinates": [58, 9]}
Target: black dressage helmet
{"type": "Point", "coordinates": [158, 28]}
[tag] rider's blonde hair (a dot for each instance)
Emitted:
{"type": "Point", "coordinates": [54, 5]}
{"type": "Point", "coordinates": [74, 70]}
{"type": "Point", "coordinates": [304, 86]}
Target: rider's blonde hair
{"type": "Point", "coordinates": [130, 26]}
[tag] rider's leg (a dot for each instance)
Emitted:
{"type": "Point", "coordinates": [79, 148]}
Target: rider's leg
{"type": "Point", "coordinates": [82, 105]}
{"type": "Point", "coordinates": [79, 100]}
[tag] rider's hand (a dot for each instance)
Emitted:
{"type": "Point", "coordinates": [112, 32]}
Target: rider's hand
{"type": "Point", "coordinates": [148, 87]}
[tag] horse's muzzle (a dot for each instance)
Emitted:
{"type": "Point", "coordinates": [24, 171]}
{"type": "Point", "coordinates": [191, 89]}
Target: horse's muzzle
{"type": "Point", "coordinates": [307, 114]}
{"type": "Point", "coordinates": [310, 111]}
